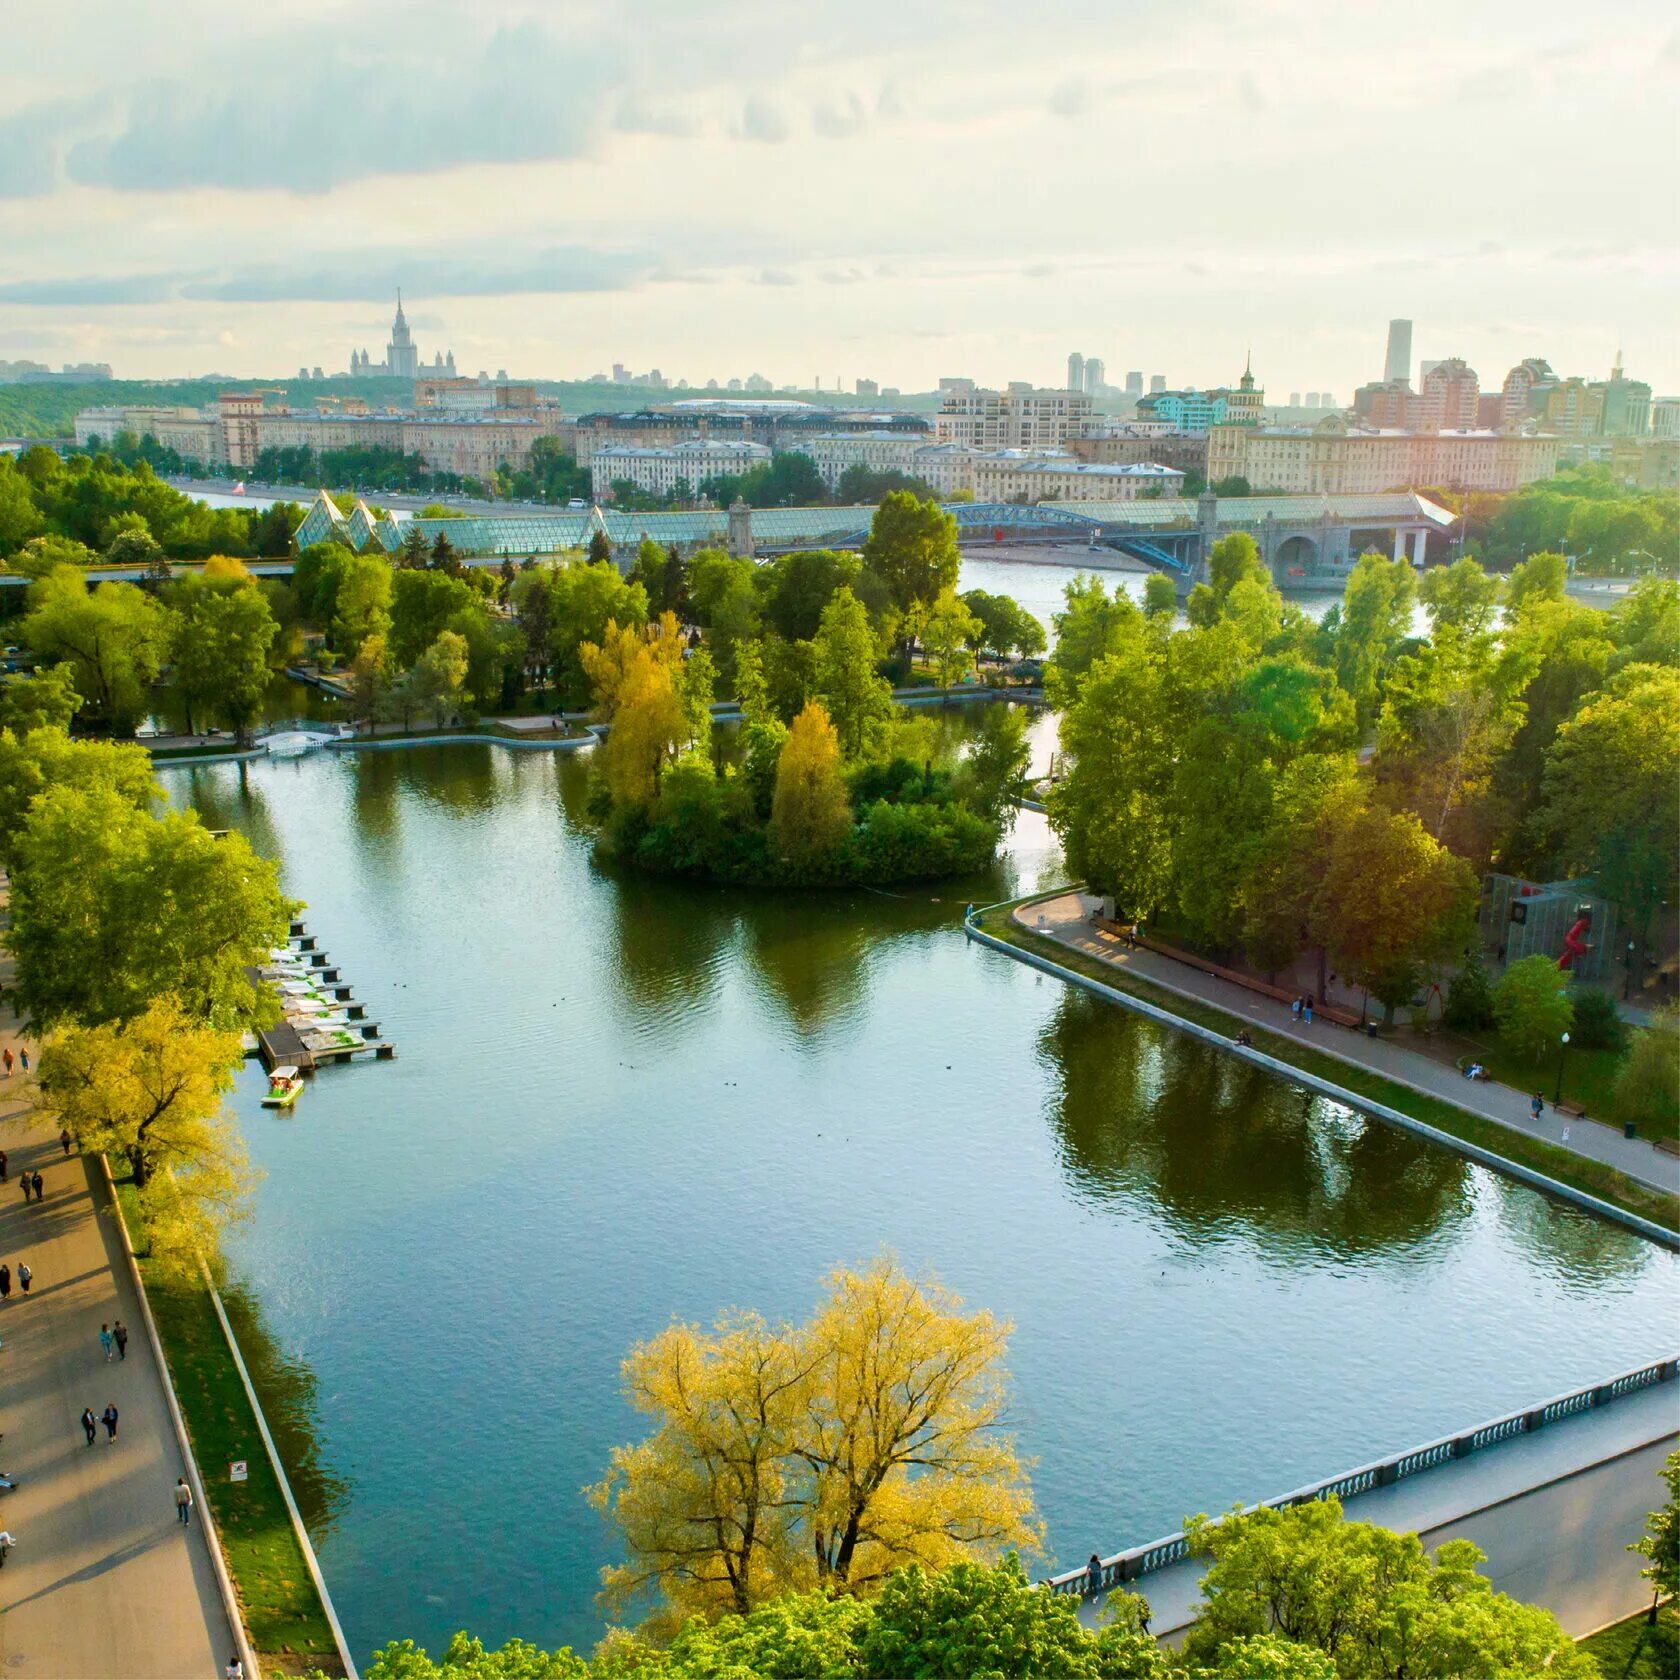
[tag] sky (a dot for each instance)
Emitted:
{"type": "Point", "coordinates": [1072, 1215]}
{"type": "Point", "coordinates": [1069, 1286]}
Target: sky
{"type": "Point", "coordinates": [895, 189]}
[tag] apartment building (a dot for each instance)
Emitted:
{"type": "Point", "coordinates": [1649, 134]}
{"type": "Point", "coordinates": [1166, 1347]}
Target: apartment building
{"type": "Point", "coordinates": [660, 470]}
{"type": "Point", "coordinates": [1021, 417]}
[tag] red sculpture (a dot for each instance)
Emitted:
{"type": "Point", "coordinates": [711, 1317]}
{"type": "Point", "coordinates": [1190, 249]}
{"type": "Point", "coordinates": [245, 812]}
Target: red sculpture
{"type": "Point", "coordinates": [1575, 942]}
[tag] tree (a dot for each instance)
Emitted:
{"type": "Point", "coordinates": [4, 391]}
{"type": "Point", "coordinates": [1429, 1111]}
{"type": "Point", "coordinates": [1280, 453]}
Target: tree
{"type": "Point", "coordinates": [844, 653]}
{"type": "Point", "coordinates": [370, 680]}
{"type": "Point", "coordinates": [800, 587]}
{"type": "Point", "coordinates": [583, 600]}
{"type": "Point", "coordinates": [440, 672]}
{"type": "Point", "coordinates": [809, 814]}
{"type": "Point", "coordinates": [1391, 903]}
{"type": "Point", "coordinates": [1659, 1545]}
{"type": "Point", "coordinates": [465, 1658]}
{"type": "Point", "coordinates": [1648, 1087]}
{"type": "Point", "coordinates": [1461, 598]}
{"type": "Point", "coordinates": [422, 604]}
{"type": "Point", "coordinates": [113, 908]}
{"type": "Point", "coordinates": [1369, 1599]}
{"type": "Point", "coordinates": [600, 548]}
{"type": "Point", "coordinates": [150, 1090]}
{"type": "Point", "coordinates": [827, 1454]}
{"type": "Point", "coordinates": [362, 589]}
{"type": "Point", "coordinates": [1608, 804]}
{"type": "Point", "coordinates": [946, 634]}
{"type": "Point", "coordinates": [1233, 560]}
{"type": "Point", "coordinates": [1469, 1001]}
{"type": "Point", "coordinates": [610, 663]}
{"type": "Point", "coordinates": [696, 686]}
{"type": "Point", "coordinates": [995, 769]}
{"type": "Point", "coordinates": [46, 758]}
{"type": "Point", "coordinates": [1376, 617]}
{"type": "Point", "coordinates": [113, 638]}
{"type": "Point", "coordinates": [1532, 1007]}
{"type": "Point", "coordinates": [912, 547]}
{"type": "Point", "coordinates": [1160, 596]}
{"type": "Point", "coordinates": [220, 662]}
{"type": "Point", "coordinates": [648, 726]}
{"type": "Point", "coordinates": [136, 547]}
{"type": "Point", "coordinates": [1093, 625]}
{"type": "Point", "coordinates": [48, 700]}
{"type": "Point", "coordinates": [1541, 577]}
{"type": "Point", "coordinates": [1003, 626]}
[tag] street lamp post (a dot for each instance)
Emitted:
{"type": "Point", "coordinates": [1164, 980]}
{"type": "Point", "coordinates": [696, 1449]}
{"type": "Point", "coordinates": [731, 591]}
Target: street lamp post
{"type": "Point", "coordinates": [1557, 1095]}
{"type": "Point", "coordinates": [1627, 980]}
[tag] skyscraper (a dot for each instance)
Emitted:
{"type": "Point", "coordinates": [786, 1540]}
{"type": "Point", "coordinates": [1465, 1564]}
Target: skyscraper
{"type": "Point", "coordinates": [1157, 382]}
{"type": "Point", "coordinates": [1134, 384]}
{"type": "Point", "coordinates": [402, 360]}
{"type": "Point", "coordinates": [1076, 372]}
{"type": "Point", "coordinates": [1397, 364]}
{"type": "Point", "coordinates": [1096, 376]}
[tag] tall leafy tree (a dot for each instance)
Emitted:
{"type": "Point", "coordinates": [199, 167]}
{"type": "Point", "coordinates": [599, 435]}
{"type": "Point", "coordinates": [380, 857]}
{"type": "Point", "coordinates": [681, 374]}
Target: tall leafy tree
{"type": "Point", "coordinates": [947, 634]}
{"type": "Point", "coordinates": [114, 639]}
{"type": "Point", "coordinates": [1461, 598]}
{"type": "Point", "coordinates": [1532, 1007]}
{"type": "Point", "coordinates": [1376, 617]}
{"type": "Point", "coordinates": [809, 813]}
{"type": "Point", "coordinates": [857, 700]}
{"type": "Point", "coordinates": [223, 634]}
{"type": "Point", "coordinates": [912, 547]}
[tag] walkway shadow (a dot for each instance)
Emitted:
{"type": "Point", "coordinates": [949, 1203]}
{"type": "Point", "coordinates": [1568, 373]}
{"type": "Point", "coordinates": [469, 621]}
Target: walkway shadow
{"type": "Point", "coordinates": [91, 1571]}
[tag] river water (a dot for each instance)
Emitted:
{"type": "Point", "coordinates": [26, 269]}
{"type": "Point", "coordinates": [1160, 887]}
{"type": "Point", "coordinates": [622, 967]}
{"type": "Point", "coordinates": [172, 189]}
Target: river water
{"type": "Point", "coordinates": [620, 1100]}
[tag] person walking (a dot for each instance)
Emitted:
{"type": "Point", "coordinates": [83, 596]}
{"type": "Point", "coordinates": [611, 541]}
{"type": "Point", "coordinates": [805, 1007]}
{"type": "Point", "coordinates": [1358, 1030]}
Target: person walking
{"type": "Point", "coordinates": [5, 1282]}
{"type": "Point", "coordinates": [1295, 1009]}
{"type": "Point", "coordinates": [1306, 1010]}
{"type": "Point", "coordinates": [183, 1501]}
{"type": "Point", "coordinates": [6, 1544]}
{"type": "Point", "coordinates": [24, 1276]}
{"type": "Point", "coordinates": [89, 1423]}
{"type": "Point", "coordinates": [23, 1180]}
{"type": "Point", "coordinates": [1536, 1106]}
{"type": "Point", "coordinates": [1093, 1577]}
{"type": "Point", "coordinates": [105, 1341]}
{"type": "Point", "coordinates": [6, 1057]}
{"type": "Point", "coordinates": [35, 1180]}
{"type": "Point", "coordinates": [108, 1417]}
{"type": "Point", "coordinates": [119, 1334]}
{"type": "Point", "coordinates": [64, 1141]}
{"type": "Point", "coordinates": [23, 1058]}
{"type": "Point", "coordinates": [4, 1164]}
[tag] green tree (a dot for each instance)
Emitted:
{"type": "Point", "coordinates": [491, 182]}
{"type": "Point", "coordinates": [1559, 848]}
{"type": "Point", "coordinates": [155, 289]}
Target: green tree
{"type": "Point", "coordinates": [370, 680]}
{"type": "Point", "coordinates": [48, 700]}
{"type": "Point", "coordinates": [583, 600]}
{"type": "Point", "coordinates": [696, 688]}
{"type": "Point", "coordinates": [46, 757]}
{"type": "Point", "coordinates": [1376, 617]}
{"type": "Point", "coordinates": [1532, 1007]}
{"type": "Point", "coordinates": [844, 652]}
{"type": "Point", "coordinates": [1232, 560]}
{"type": "Point", "coordinates": [1461, 598]}
{"type": "Point", "coordinates": [20, 518]}
{"type": "Point", "coordinates": [422, 605]}
{"type": "Point", "coordinates": [600, 548]}
{"type": "Point", "coordinates": [465, 1658]}
{"type": "Point", "coordinates": [1160, 596]}
{"type": "Point", "coordinates": [222, 637]}
{"type": "Point", "coordinates": [1648, 1087]}
{"type": "Point", "coordinates": [1369, 1599]}
{"type": "Point", "coordinates": [1469, 1001]}
{"type": "Point", "coordinates": [361, 590]}
{"type": "Point", "coordinates": [113, 908]}
{"type": "Point", "coordinates": [800, 587]}
{"type": "Point", "coordinates": [1659, 1545]}
{"type": "Point", "coordinates": [993, 773]}
{"type": "Point", "coordinates": [1092, 626]}
{"type": "Point", "coordinates": [1541, 577]}
{"type": "Point", "coordinates": [113, 638]}
{"type": "Point", "coordinates": [912, 548]}
{"type": "Point", "coordinates": [440, 673]}
{"type": "Point", "coordinates": [947, 632]}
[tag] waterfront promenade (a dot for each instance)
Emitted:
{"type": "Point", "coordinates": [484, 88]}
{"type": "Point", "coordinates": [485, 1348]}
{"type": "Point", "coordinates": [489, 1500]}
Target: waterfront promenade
{"type": "Point", "coordinates": [104, 1581]}
{"type": "Point", "coordinates": [1554, 1511]}
{"type": "Point", "coordinates": [1065, 920]}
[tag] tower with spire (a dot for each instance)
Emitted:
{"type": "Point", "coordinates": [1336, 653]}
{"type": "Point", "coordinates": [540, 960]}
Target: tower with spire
{"type": "Point", "coordinates": [402, 360]}
{"type": "Point", "coordinates": [1243, 405]}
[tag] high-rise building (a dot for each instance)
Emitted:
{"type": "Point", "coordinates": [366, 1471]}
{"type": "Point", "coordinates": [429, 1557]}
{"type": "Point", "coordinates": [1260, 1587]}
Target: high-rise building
{"type": "Point", "coordinates": [1134, 384]}
{"type": "Point", "coordinates": [402, 358]}
{"type": "Point", "coordinates": [1312, 399]}
{"type": "Point", "coordinates": [1447, 400]}
{"type": "Point", "coordinates": [1525, 384]}
{"type": "Point", "coordinates": [1627, 404]}
{"type": "Point", "coordinates": [1157, 382]}
{"type": "Point", "coordinates": [1096, 376]}
{"type": "Point", "coordinates": [1021, 417]}
{"type": "Point", "coordinates": [1397, 364]}
{"type": "Point", "coordinates": [868, 388]}
{"type": "Point", "coordinates": [1076, 372]}
{"type": "Point", "coordinates": [1294, 399]}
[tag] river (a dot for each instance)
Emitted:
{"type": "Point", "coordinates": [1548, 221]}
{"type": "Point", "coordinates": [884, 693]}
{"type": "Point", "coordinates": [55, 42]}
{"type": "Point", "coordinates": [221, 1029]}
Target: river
{"type": "Point", "coordinates": [619, 1100]}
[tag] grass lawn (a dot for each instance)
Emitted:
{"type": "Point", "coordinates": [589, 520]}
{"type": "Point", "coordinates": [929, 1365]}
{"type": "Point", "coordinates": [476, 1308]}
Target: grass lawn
{"type": "Point", "coordinates": [1634, 1650]}
{"type": "Point", "coordinates": [1588, 1075]}
{"type": "Point", "coordinates": [283, 1613]}
{"type": "Point", "coordinates": [1591, 1176]}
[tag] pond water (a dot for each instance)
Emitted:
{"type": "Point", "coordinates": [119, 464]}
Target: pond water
{"type": "Point", "coordinates": [618, 1100]}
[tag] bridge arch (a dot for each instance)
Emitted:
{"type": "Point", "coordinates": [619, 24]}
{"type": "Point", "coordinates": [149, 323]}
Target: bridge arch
{"type": "Point", "coordinates": [1294, 557]}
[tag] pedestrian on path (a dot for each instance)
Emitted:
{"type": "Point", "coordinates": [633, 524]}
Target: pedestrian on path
{"type": "Point", "coordinates": [1295, 1009]}
{"type": "Point", "coordinates": [1536, 1106]}
{"type": "Point", "coordinates": [235, 1669]}
{"type": "Point", "coordinates": [105, 1341]}
{"type": "Point", "coordinates": [6, 1057]}
{"type": "Point", "coordinates": [24, 1276]}
{"type": "Point", "coordinates": [23, 1058]}
{"type": "Point", "coordinates": [1093, 1577]}
{"type": "Point", "coordinates": [23, 1179]}
{"type": "Point", "coordinates": [183, 1501]}
{"type": "Point", "coordinates": [108, 1417]}
{"type": "Point", "coordinates": [1306, 1010]}
{"type": "Point", "coordinates": [3, 1166]}
{"type": "Point", "coordinates": [5, 1282]}
{"type": "Point", "coordinates": [6, 1544]}
{"type": "Point", "coordinates": [64, 1142]}
{"type": "Point", "coordinates": [119, 1334]}
{"type": "Point", "coordinates": [90, 1423]}
{"type": "Point", "coordinates": [36, 1181]}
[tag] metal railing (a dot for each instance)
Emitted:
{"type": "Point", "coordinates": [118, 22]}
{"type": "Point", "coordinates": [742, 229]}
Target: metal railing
{"type": "Point", "coordinates": [1132, 1565]}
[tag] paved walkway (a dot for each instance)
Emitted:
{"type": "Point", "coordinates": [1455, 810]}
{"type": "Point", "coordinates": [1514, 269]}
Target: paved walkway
{"type": "Point", "coordinates": [1066, 920]}
{"type": "Point", "coordinates": [1554, 1512]}
{"type": "Point", "coordinates": [104, 1582]}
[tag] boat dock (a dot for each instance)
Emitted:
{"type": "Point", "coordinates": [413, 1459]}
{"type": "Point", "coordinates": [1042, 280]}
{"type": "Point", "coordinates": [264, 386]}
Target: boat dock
{"type": "Point", "coordinates": [320, 1021]}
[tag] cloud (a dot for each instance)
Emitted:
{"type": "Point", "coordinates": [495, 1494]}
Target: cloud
{"type": "Point", "coordinates": [1073, 98]}
{"type": "Point", "coordinates": [844, 277]}
{"type": "Point", "coordinates": [524, 96]}
{"type": "Point", "coordinates": [761, 120]}
{"type": "Point", "coordinates": [28, 154]}
{"type": "Point", "coordinates": [91, 290]}
{"type": "Point", "coordinates": [635, 116]}
{"type": "Point", "coordinates": [775, 277]}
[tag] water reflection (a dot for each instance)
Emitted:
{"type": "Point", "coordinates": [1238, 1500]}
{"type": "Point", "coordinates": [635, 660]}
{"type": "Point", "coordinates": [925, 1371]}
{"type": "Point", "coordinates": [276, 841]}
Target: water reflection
{"type": "Point", "coordinates": [1220, 1145]}
{"type": "Point", "coordinates": [1568, 1245]}
{"type": "Point", "coordinates": [285, 1384]}
{"type": "Point", "coordinates": [809, 958]}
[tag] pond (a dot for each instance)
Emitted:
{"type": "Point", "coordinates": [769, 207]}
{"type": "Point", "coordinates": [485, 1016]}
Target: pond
{"type": "Point", "coordinates": [619, 1100]}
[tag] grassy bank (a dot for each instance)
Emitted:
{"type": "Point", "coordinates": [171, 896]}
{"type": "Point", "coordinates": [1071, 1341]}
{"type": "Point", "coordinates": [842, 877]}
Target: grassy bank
{"type": "Point", "coordinates": [1536, 1154]}
{"type": "Point", "coordinates": [283, 1614]}
{"type": "Point", "coordinates": [1635, 1650]}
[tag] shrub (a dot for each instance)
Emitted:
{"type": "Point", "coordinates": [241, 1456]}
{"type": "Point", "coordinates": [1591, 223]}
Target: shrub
{"type": "Point", "coordinates": [1598, 1024]}
{"type": "Point", "coordinates": [1531, 1004]}
{"type": "Point", "coordinates": [1469, 1005]}
{"type": "Point", "coordinates": [1648, 1089]}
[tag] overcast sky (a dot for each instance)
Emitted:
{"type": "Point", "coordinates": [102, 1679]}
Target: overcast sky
{"type": "Point", "coordinates": [897, 190]}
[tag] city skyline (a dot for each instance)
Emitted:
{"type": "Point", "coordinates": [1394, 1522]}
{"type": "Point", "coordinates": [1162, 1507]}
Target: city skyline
{"type": "Point", "coordinates": [863, 193]}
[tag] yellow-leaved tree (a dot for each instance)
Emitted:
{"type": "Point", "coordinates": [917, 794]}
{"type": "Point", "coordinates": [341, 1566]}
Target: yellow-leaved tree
{"type": "Point", "coordinates": [609, 662]}
{"type": "Point", "coordinates": [648, 726]}
{"type": "Point", "coordinates": [828, 1454]}
{"type": "Point", "coordinates": [809, 812]}
{"type": "Point", "coordinates": [148, 1092]}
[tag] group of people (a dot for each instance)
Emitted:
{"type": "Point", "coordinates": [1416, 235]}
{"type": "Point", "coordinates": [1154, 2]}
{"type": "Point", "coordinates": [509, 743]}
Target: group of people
{"type": "Point", "coordinates": [1301, 1008]}
{"type": "Point", "coordinates": [9, 1061]}
{"type": "Point", "coordinates": [25, 1277]}
{"type": "Point", "coordinates": [114, 1336]}
{"type": "Point", "coordinates": [90, 1423]}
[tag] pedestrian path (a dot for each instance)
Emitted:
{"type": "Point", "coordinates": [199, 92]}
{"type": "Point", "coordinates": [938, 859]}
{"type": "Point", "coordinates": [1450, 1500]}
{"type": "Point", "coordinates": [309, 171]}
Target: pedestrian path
{"type": "Point", "coordinates": [1066, 920]}
{"type": "Point", "coordinates": [104, 1580]}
